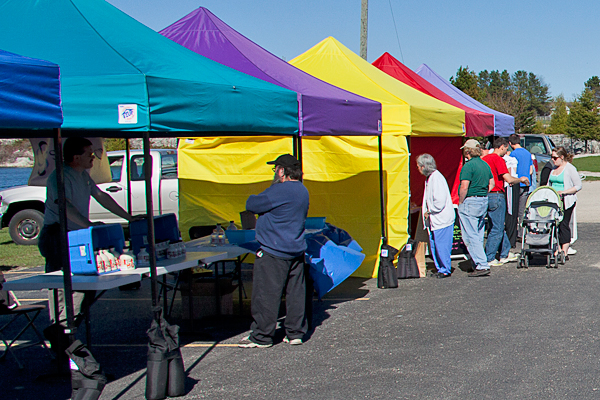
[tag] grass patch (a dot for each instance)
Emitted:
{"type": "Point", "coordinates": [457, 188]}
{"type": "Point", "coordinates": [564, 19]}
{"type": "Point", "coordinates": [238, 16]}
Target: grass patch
{"type": "Point", "coordinates": [592, 178]}
{"type": "Point", "coordinates": [13, 255]}
{"type": "Point", "coordinates": [591, 164]}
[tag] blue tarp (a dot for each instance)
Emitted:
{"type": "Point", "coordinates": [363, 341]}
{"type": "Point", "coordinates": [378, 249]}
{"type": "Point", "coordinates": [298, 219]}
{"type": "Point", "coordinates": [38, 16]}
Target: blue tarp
{"type": "Point", "coordinates": [29, 93]}
{"type": "Point", "coordinates": [332, 254]}
{"type": "Point", "coordinates": [504, 124]}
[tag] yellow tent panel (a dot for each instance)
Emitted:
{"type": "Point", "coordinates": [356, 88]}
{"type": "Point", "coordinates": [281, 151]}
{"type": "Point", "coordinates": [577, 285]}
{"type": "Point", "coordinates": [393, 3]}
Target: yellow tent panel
{"type": "Point", "coordinates": [341, 174]}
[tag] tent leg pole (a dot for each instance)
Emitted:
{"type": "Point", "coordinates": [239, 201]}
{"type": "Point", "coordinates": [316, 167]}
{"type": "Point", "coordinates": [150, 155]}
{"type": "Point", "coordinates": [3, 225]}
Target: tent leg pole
{"type": "Point", "coordinates": [381, 192]}
{"type": "Point", "coordinates": [150, 218]}
{"type": "Point", "coordinates": [299, 156]}
{"type": "Point", "coordinates": [128, 171]}
{"type": "Point", "coordinates": [64, 238]}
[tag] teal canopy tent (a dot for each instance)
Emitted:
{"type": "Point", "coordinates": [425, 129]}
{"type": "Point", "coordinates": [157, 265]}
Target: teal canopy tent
{"type": "Point", "coordinates": [118, 78]}
{"type": "Point", "coordinates": [117, 74]}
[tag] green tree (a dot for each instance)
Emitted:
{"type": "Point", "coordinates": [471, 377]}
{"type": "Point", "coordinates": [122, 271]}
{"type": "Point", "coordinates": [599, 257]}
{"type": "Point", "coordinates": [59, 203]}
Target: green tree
{"type": "Point", "coordinates": [114, 144]}
{"type": "Point", "coordinates": [466, 81]}
{"type": "Point", "coordinates": [593, 84]}
{"type": "Point", "coordinates": [584, 121]}
{"type": "Point", "coordinates": [522, 95]}
{"type": "Point", "coordinates": [558, 123]}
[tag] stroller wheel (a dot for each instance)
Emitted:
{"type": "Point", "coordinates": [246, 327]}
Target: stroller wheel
{"type": "Point", "coordinates": [523, 261]}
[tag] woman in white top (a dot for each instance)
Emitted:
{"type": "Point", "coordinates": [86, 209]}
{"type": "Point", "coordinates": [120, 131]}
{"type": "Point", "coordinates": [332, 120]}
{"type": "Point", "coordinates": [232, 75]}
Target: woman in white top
{"type": "Point", "coordinates": [438, 214]}
{"type": "Point", "coordinates": [565, 179]}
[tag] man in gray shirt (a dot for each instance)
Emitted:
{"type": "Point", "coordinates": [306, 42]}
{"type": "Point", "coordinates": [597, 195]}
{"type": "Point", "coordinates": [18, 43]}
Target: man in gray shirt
{"type": "Point", "coordinates": [79, 187]}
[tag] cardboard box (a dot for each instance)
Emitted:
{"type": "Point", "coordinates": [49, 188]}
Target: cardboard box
{"type": "Point", "coordinates": [206, 287]}
{"type": "Point", "coordinates": [205, 306]}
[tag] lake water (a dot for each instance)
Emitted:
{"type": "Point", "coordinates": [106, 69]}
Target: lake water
{"type": "Point", "coordinates": [10, 177]}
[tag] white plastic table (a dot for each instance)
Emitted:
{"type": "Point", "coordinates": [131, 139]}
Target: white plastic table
{"type": "Point", "coordinates": [102, 283]}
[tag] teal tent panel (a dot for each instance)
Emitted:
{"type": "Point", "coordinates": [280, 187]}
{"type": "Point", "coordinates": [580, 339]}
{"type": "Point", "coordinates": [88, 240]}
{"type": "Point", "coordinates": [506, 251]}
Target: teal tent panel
{"type": "Point", "coordinates": [92, 105]}
{"type": "Point", "coordinates": [206, 109]}
{"type": "Point", "coordinates": [126, 62]}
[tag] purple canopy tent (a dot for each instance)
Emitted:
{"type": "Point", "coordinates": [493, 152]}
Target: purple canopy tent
{"type": "Point", "coordinates": [504, 125]}
{"type": "Point", "coordinates": [323, 108]}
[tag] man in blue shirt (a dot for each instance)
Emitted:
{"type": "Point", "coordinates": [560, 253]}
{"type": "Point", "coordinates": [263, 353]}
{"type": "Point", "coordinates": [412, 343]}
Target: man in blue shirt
{"type": "Point", "coordinates": [279, 265]}
{"type": "Point", "coordinates": [524, 169]}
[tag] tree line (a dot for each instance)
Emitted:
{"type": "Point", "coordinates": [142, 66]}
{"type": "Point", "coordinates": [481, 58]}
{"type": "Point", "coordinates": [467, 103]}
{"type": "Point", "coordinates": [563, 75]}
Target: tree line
{"type": "Point", "coordinates": [525, 96]}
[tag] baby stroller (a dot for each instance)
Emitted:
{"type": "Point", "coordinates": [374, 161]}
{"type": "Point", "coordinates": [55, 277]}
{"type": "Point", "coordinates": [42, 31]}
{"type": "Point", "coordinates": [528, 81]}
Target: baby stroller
{"type": "Point", "coordinates": [543, 213]}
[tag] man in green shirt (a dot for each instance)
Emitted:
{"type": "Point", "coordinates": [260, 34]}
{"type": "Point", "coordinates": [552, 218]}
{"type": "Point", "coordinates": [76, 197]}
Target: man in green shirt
{"type": "Point", "coordinates": [476, 180]}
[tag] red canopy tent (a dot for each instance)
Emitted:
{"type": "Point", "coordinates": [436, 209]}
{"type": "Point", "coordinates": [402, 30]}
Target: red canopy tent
{"type": "Point", "coordinates": [477, 123]}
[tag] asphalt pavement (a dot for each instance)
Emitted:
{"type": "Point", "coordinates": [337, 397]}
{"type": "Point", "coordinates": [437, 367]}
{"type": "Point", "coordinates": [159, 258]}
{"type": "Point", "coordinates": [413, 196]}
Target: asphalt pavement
{"type": "Point", "coordinates": [517, 334]}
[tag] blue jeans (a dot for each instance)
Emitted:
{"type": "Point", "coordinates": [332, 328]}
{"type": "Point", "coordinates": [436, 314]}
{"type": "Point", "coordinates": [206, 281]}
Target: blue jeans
{"type": "Point", "coordinates": [472, 225]}
{"type": "Point", "coordinates": [496, 235]}
{"type": "Point", "coordinates": [441, 247]}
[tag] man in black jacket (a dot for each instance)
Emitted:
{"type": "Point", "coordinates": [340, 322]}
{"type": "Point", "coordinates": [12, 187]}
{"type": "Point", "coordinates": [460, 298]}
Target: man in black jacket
{"type": "Point", "coordinates": [279, 265]}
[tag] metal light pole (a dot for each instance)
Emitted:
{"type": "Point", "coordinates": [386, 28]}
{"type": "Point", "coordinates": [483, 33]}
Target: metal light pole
{"type": "Point", "coordinates": [364, 22]}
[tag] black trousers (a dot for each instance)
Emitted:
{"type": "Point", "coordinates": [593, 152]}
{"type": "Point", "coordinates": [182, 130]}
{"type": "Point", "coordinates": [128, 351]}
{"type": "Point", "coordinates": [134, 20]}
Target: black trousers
{"type": "Point", "coordinates": [511, 221]}
{"type": "Point", "coordinates": [272, 276]}
{"type": "Point", "coordinates": [564, 229]}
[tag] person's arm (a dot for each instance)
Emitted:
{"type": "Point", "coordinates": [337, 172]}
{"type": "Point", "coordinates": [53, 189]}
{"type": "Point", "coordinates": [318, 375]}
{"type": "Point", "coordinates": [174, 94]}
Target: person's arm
{"type": "Point", "coordinates": [259, 203]}
{"type": "Point", "coordinates": [574, 177]}
{"type": "Point", "coordinates": [545, 174]}
{"type": "Point", "coordinates": [439, 194]}
{"type": "Point", "coordinates": [511, 180]}
{"type": "Point", "coordinates": [111, 205]}
{"type": "Point", "coordinates": [462, 191]}
{"type": "Point", "coordinates": [491, 184]}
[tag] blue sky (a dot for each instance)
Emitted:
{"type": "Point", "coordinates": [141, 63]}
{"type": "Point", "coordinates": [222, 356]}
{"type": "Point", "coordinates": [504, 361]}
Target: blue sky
{"type": "Point", "coordinates": [556, 40]}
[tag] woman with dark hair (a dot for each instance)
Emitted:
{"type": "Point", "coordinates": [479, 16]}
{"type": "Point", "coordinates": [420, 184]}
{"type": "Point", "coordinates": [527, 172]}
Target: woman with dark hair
{"type": "Point", "coordinates": [565, 179]}
{"type": "Point", "coordinates": [438, 214]}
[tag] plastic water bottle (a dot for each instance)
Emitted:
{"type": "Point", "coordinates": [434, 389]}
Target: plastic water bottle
{"type": "Point", "coordinates": [105, 260]}
{"type": "Point", "coordinates": [115, 257]}
{"type": "Point", "coordinates": [99, 262]}
{"type": "Point", "coordinates": [221, 235]}
{"type": "Point", "coordinates": [126, 261]}
{"type": "Point", "coordinates": [231, 226]}
{"type": "Point", "coordinates": [182, 249]}
{"type": "Point", "coordinates": [143, 258]}
{"type": "Point", "coordinates": [214, 237]}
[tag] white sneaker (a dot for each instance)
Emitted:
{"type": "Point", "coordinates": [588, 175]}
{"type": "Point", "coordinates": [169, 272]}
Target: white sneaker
{"type": "Point", "coordinates": [512, 257]}
{"type": "Point", "coordinates": [495, 263]}
{"type": "Point", "coordinates": [293, 342]}
{"type": "Point", "coordinates": [246, 343]}
{"type": "Point", "coordinates": [571, 251]}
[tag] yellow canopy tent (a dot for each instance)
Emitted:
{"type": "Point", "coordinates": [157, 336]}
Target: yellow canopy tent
{"type": "Point", "coordinates": [341, 173]}
{"type": "Point", "coordinates": [405, 111]}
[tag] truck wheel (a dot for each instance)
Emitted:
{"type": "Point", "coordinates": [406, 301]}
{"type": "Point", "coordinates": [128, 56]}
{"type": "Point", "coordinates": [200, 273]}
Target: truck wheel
{"type": "Point", "coordinates": [24, 227]}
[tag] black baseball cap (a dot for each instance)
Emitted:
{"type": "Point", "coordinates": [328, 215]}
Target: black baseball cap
{"type": "Point", "coordinates": [286, 161]}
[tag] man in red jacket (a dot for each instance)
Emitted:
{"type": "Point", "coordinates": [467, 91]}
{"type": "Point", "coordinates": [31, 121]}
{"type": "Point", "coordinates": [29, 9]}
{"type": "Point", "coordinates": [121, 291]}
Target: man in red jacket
{"type": "Point", "coordinates": [497, 238]}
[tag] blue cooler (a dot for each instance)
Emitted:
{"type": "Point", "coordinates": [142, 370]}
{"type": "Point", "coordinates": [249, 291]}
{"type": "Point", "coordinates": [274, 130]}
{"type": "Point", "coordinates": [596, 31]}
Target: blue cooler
{"type": "Point", "coordinates": [165, 228]}
{"type": "Point", "coordinates": [83, 242]}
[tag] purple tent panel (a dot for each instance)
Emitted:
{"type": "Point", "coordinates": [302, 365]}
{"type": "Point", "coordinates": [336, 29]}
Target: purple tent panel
{"type": "Point", "coordinates": [323, 110]}
{"type": "Point", "coordinates": [504, 125]}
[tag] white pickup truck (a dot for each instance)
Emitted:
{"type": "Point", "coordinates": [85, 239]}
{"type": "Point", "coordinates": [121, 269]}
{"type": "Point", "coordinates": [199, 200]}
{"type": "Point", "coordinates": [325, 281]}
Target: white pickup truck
{"type": "Point", "coordinates": [22, 207]}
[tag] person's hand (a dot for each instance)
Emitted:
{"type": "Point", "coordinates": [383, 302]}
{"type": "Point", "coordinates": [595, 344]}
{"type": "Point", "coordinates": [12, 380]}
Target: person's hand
{"type": "Point", "coordinates": [524, 180]}
{"type": "Point", "coordinates": [426, 215]}
{"type": "Point", "coordinates": [140, 217]}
